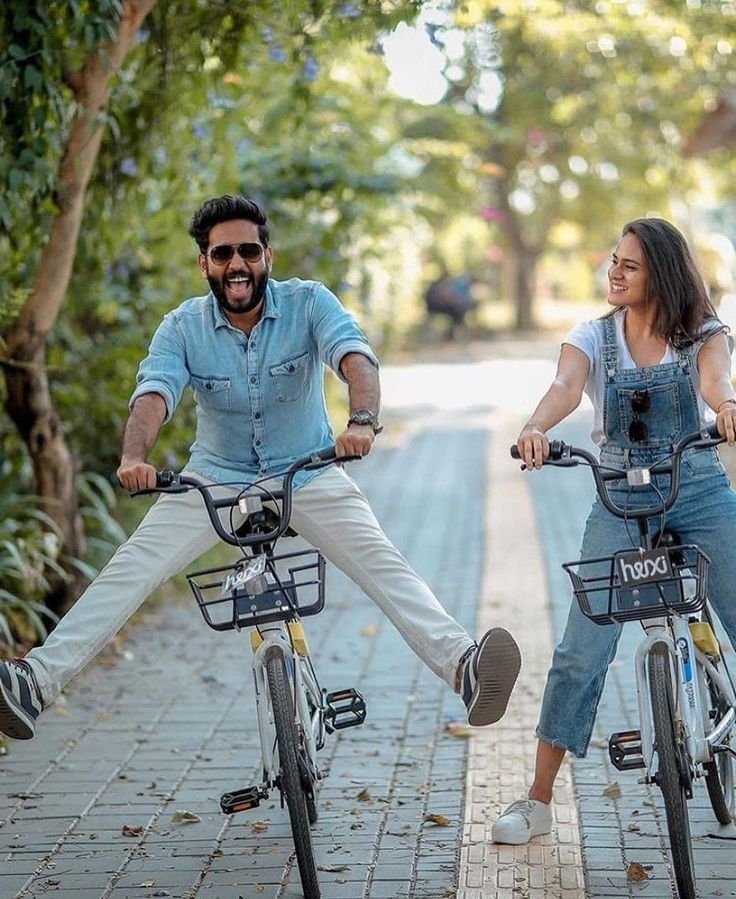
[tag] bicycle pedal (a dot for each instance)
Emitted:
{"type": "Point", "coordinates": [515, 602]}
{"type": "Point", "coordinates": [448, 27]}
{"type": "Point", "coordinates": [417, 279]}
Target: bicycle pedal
{"type": "Point", "coordinates": [241, 800]}
{"type": "Point", "coordinates": [344, 708]}
{"type": "Point", "coordinates": [624, 750]}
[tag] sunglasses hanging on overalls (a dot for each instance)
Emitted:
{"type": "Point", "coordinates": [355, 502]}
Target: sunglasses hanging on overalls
{"type": "Point", "coordinates": [640, 402]}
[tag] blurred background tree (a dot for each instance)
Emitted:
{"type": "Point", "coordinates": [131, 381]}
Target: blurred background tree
{"type": "Point", "coordinates": [551, 123]}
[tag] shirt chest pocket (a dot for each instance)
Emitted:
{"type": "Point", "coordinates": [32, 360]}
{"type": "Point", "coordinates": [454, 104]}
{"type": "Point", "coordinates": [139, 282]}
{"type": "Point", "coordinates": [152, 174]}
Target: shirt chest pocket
{"type": "Point", "coordinates": [290, 378]}
{"type": "Point", "coordinates": [212, 392]}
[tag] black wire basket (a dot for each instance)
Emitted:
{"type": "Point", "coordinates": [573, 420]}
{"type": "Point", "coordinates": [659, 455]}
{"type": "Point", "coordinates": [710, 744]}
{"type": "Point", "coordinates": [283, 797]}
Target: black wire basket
{"type": "Point", "coordinates": [261, 589]}
{"type": "Point", "coordinates": [671, 580]}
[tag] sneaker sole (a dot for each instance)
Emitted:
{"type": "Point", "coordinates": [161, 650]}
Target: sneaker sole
{"type": "Point", "coordinates": [14, 722]}
{"type": "Point", "coordinates": [499, 663]}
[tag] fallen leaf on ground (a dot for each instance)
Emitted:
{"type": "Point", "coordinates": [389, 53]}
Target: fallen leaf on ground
{"type": "Point", "coordinates": [147, 883]}
{"type": "Point", "coordinates": [370, 630]}
{"type": "Point", "coordinates": [458, 729]}
{"type": "Point", "coordinates": [132, 830]}
{"type": "Point", "coordinates": [635, 871]}
{"type": "Point", "coordinates": [185, 817]}
{"type": "Point", "coordinates": [259, 826]}
{"type": "Point", "coordinates": [613, 791]}
{"type": "Point", "coordinates": [440, 820]}
{"type": "Point", "coordinates": [363, 796]}
{"type": "Point", "coordinates": [333, 869]}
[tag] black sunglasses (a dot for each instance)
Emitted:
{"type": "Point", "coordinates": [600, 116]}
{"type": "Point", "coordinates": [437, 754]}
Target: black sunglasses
{"type": "Point", "coordinates": [640, 402]}
{"type": "Point", "coordinates": [224, 252]}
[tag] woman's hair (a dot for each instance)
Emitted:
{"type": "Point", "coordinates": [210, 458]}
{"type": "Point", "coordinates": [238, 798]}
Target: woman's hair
{"type": "Point", "coordinates": [224, 209]}
{"type": "Point", "coordinates": [675, 284]}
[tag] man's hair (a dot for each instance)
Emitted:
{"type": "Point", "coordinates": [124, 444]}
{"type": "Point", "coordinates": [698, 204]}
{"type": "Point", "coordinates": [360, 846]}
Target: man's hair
{"type": "Point", "coordinates": [675, 283]}
{"type": "Point", "coordinates": [224, 209]}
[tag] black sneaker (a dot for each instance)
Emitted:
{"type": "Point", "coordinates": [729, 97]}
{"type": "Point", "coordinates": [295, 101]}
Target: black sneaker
{"type": "Point", "coordinates": [489, 677]}
{"type": "Point", "coordinates": [20, 700]}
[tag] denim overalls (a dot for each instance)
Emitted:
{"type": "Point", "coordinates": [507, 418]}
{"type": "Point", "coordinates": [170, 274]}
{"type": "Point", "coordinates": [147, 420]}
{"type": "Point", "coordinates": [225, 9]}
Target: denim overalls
{"type": "Point", "coordinates": [705, 514]}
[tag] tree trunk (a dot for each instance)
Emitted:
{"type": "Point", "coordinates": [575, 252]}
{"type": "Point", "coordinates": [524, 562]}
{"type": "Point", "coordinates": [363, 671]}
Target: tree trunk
{"type": "Point", "coordinates": [526, 282]}
{"type": "Point", "coordinates": [29, 402]}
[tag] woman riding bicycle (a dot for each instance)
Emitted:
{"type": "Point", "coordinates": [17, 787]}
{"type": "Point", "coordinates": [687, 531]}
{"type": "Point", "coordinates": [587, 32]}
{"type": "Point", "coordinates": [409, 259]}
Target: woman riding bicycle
{"type": "Point", "coordinates": [653, 367]}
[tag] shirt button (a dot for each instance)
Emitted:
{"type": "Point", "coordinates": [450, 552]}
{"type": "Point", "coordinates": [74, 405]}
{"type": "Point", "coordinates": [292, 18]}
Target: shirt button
{"type": "Point", "coordinates": [253, 379]}
{"type": "Point", "coordinates": [258, 442]}
{"type": "Point", "coordinates": [256, 415]}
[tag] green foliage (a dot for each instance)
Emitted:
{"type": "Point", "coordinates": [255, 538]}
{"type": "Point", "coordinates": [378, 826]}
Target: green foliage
{"type": "Point", "coordinates": [30, 550]}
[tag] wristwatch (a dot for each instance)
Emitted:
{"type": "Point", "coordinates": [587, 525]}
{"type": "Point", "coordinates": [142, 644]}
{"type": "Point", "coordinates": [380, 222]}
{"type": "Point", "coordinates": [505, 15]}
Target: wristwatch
{"type": "Point", "coordinates": [365, 417]}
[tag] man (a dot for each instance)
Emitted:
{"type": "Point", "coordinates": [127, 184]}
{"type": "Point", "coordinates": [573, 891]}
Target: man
{"type": "Point", "coordinates": [253, 351]}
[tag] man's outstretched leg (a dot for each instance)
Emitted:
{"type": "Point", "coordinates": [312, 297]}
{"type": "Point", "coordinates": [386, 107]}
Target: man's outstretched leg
{"type": "Point", "coordinates": [173, 533]}
{"type": "Point", "coordinates": [333, 515]}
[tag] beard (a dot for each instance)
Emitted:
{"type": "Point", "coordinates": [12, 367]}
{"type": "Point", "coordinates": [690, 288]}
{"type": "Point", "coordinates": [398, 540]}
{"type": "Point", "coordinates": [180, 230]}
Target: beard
{"type": "Point", "coordinates": [258, 292]}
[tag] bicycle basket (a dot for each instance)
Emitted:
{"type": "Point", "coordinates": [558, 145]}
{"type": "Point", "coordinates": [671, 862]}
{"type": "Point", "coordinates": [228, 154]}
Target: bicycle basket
{"type": "Point", "coordinates": [260, 589]}
{"type": "Point", "coordinates": [631, 586]}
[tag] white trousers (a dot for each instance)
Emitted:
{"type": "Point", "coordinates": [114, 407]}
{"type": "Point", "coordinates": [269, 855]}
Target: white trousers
{"type": "Point", "coordinates": [330, 512]}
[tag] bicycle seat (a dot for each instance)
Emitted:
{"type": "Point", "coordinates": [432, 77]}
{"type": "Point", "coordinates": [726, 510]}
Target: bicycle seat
{"type": "Point", "coordinates": [262, 522]}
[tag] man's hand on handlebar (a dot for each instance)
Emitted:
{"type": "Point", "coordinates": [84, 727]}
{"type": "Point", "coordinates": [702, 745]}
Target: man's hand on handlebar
{"type": "Point", "coordinates": [135, 476]}
{"type": "Point", "coordinates": [355, 440]}
{"type": "Point", "coordinates": [533, 446]}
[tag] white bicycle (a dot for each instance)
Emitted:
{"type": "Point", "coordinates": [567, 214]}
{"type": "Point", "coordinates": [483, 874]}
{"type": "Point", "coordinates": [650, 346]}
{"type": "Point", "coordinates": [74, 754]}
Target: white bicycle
{"type": "Point", "coordinates": [685, 693]}
{"type": "Point", "coordinates": [268, 594]}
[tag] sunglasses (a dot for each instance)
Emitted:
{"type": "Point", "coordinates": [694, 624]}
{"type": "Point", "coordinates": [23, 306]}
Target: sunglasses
{"type": "Point", "coordinates": [224, 252]}
{"type": "Point", "coordinates": [640, 402]}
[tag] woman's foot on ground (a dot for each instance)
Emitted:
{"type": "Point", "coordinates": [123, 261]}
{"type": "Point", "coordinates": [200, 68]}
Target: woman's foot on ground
{"type": "Point", "coordinates": [522, 820]}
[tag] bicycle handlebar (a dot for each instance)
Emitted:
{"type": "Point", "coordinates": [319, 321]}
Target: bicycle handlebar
{"type": "Point", "coordinates": [169, 482]}
{"type": "Point", "coordinates": [564, 455]}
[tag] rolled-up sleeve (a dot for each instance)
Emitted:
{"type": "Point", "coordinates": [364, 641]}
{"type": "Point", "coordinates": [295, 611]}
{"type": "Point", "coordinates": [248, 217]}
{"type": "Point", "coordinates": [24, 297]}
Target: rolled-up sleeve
{"type": "Point", "coordinates": [164, 370]}
{"type": "Point", "coordinates": [335, 331]}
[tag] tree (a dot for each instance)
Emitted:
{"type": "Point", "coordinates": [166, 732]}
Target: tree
{"type": "Point", "coordinates": [591, 108]}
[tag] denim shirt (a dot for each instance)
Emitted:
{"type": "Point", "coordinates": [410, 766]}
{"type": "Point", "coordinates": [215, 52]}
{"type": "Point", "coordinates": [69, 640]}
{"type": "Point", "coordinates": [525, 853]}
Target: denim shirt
{"type": "Point", "coordinates": [260, 400]}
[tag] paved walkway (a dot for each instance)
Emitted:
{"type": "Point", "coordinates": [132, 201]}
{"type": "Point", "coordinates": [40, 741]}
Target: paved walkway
{"type": "Point", "coordinates": [118, 796]}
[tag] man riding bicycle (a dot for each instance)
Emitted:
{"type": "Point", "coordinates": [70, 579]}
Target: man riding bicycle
{"type": "Point", "coordinates": [253, 351]}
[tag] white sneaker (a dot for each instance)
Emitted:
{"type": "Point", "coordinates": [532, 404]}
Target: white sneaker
{"type": "Point", "coordinates": [522, 820]}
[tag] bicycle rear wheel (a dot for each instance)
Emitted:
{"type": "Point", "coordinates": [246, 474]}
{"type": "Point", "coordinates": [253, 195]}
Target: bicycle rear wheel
{"type": "Point", "coordinates": [719, 773]}
{"type": "Point", "coordinates": [291, 784]}
{"type": "Point", "coordinates": [670, 761]}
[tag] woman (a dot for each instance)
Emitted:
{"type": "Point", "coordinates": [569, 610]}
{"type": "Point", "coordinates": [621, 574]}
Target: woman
{"type": "Point", "coordinates": [653, 367]}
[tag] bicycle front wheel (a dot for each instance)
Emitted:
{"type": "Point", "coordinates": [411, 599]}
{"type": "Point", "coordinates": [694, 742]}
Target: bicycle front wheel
{"type": "Point", "coordinates": [290, 778]}
{"type": "Point", "coordinates": [670, 761]}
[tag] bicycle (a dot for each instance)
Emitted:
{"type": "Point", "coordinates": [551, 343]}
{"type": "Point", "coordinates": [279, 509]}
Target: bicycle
{"type": "Point", "coordinates": [266, 593]}
{"type": "Point", "coordinates": [687, 712]}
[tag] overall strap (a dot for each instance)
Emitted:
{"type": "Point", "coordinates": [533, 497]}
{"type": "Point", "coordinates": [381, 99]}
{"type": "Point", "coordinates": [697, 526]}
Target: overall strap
{"type": "Point", "coordinates": [610, 355]}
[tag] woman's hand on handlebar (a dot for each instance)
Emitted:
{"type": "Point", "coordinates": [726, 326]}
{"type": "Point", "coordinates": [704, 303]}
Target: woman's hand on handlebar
{"type": "Point", "coordinates": [533, 446]}
{"type": "Point", "coordinates": [134, 476]}
{"type": "Point", "coordinates": [726, 423]}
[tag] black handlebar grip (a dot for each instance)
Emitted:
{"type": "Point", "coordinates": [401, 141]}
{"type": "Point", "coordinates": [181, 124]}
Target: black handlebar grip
{"type": "Point", "coordinates": [165, 478]}
{"type": "Point", "coordinates": [326, 455]}
{"type": "Point", "coordinates": [515, 454]}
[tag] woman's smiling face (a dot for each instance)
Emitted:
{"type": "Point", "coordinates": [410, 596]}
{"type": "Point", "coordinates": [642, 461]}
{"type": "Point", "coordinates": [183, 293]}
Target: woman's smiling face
{"type": "Point", "coordinates": [628, 281]}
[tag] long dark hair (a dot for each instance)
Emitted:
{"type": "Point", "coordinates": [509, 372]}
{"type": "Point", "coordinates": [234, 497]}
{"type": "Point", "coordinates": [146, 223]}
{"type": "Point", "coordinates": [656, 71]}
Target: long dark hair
{"type": "Point", "coordinates": [224, 209]}
{"type": "Point", "coordinates": [675, 284]}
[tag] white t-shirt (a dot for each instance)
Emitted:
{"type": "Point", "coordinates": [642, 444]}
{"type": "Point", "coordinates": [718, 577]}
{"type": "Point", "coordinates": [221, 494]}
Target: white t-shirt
{"type": "Point", "coordinates": [588, 337]}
